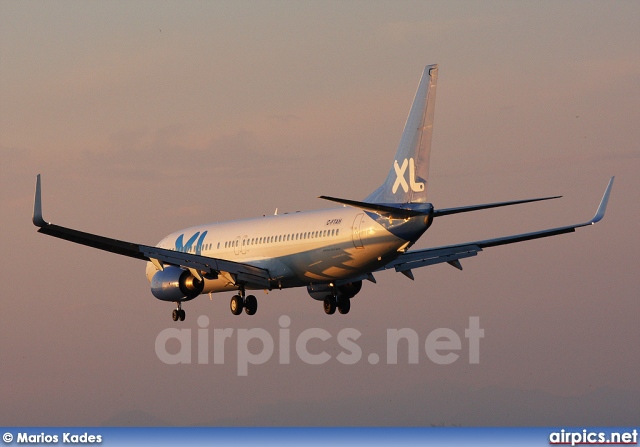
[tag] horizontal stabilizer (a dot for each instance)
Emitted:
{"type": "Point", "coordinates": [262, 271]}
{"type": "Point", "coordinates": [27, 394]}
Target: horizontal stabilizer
{"type": "Point", "coordinates": [466, 209]}
{"type": "Point", "coordinates": [396, 212]}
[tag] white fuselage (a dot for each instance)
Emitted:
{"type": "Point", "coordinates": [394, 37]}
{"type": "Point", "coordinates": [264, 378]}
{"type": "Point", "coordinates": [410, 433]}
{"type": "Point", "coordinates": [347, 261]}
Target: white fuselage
{"type": "Point", "coordinates": [297, 249]}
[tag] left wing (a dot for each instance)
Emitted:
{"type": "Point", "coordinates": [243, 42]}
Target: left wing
{"type": "Point", "coordinates": [453, 253]}
{"type": "Point", "coordinates": [199, 265]}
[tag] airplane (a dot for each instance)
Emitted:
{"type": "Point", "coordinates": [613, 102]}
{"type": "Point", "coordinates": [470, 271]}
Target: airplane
{"type": "Point", "coordinates": [328, 251]}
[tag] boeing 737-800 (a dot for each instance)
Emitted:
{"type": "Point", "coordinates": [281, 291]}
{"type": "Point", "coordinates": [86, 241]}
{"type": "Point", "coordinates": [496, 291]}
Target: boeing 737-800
{"type": "Point", "coordinates": [329, 251]}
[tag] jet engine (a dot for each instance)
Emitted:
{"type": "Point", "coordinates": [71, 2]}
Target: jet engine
{"type": "Point", "coordinates": [320, 291]}
{"type": "Point", "coordinates": [175, 284]}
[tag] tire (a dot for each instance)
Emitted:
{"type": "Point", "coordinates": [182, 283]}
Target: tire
{"type": "Point", "coordinates": [250, 305]}
{"type": "Point", "coordinates": [329, 305]}
{"type": "Point", "coordinates": [174, 315]}
{"type": "Point", "coordinates": [344, 306]}
{"type": "Point", "coordinates": [236, 305]}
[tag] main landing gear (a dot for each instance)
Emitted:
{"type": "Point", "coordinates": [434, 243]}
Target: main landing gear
{"type": "Point", "coordinates": [331, 303]}
{"type": "Point", "coordinates": [249, 303]}
{"type": "Point", "coordinates": [178, 313]}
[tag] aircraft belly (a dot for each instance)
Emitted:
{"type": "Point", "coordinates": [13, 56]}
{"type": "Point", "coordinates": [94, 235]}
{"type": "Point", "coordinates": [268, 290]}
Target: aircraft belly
{"type": "Point", "coordinates": [340, 262]}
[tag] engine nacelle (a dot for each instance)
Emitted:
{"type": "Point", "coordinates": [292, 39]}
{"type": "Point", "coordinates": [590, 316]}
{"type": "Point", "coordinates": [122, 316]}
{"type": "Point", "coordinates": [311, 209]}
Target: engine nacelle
{"type": "Point", "coordinates": [320, 291]}
{"type": "Point", "coordinates": [175, 284]}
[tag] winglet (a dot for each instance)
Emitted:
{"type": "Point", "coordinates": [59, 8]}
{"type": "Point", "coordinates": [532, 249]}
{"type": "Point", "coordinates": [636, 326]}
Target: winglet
{"type": "Point", "coordinates": [603, 203]}
{"type": "Point", "coordinates": [38, 221]}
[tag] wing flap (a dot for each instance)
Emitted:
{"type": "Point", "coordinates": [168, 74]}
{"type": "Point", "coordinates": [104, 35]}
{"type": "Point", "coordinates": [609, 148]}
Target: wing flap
{"type": "Point", "coordinates": [243, 272]}
{"type": "Point", "coordinates": [431, 256]}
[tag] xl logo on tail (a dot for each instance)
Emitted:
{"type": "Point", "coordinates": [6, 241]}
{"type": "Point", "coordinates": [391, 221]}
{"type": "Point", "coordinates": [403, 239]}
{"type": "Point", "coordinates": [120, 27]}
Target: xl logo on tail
{"type": "Point", "coordinates": [401, 181]}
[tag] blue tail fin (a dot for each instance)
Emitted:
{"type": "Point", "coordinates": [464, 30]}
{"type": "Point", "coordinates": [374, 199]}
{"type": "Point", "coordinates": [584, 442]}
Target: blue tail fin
{"type": "Point", "coordinates": [407, 179]}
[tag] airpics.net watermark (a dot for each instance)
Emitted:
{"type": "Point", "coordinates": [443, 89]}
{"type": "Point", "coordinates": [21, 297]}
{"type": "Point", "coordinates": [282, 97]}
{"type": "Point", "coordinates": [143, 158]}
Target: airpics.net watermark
{"type": "Point", "coordinates": [440, 345]}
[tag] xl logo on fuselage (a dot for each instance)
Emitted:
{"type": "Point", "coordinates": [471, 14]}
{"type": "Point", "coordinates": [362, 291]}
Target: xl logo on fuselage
{"type": "Point", "coordinates": [181, 246]}
{"type": "Point", "coordinates": [400, 179]}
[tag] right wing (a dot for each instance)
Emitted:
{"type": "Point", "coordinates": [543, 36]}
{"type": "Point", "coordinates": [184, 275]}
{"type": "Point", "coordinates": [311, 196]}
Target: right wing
{"type": "Point", "coordinates": [453, 253]}
{"type": "Point", "coordinates": [244, 273]}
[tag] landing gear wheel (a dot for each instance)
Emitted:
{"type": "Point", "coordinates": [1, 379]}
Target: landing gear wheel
{"type": "Point", "coordinates": [236, 305]}
{"type": "Point", "coordinates": [330, 305]}
{"type": "Point", "coordinates": [174, 315]}
{"type": "Point", "coordinates": [344, 306]}
{"type": "Point", "coordinates": [181, 314]}
{"type": "Point", "coordinates": [250, 305]}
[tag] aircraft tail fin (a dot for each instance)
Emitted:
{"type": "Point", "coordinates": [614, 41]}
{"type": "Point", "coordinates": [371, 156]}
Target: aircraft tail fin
{"type": "Point", "coordinates": [407, 179]}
